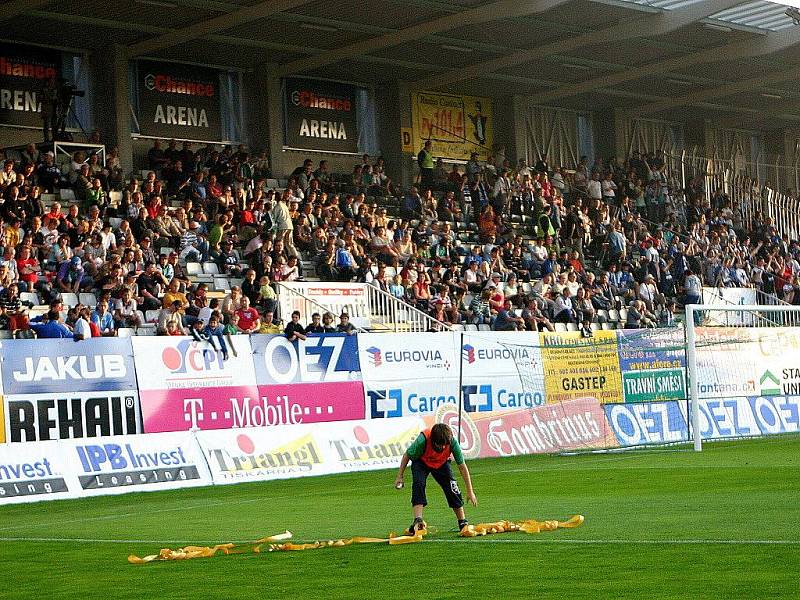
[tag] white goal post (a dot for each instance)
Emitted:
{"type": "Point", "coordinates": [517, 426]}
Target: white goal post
{"type": "Point", "coordinates": [697, 316]}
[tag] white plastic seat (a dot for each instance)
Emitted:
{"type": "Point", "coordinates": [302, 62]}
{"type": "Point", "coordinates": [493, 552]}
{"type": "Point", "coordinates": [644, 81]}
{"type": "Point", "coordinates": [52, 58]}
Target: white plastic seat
{"type": "Point", "coordinates": [210, 268]}
{"type": "Point", "coordinates": [69, 299]}
{"type": "Point", "coordinates": [88, 299]}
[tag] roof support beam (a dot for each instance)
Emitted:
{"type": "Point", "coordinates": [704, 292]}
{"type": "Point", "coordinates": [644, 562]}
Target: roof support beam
{"type": "Point", "coordinates": [754, 83]}
{"type": "Point", "coordinates": [503, 9]}
{"type": "Point", "coordinates": [214, 25]}
{"type": "Point", "coordinates": [657, 24]}
{"type": "Point", "coordinates": [768, 44]}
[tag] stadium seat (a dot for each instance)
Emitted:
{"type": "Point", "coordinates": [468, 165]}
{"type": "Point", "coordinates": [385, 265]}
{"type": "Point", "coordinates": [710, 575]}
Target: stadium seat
{"type": "Point", "coordinates": [602, 314]}
{"type": "Point", "coordinates": [222, 284]}
{"type": "Point", "coordinates": [124, 332]}
{"type": "Point", "coordinates": [151, 316]}
{"type": "Point", "coordinates": [604, 326]}
{"type": "Point", "coordinates": [596, 326]}
{"type": "Point", "coordinates": [24, 334]}
{"type": "Point", "coordinates": [88, 299]}
{"type": "Point", "coordinates": [470, 327]}
{"type": "Point", "coordinates": [613, 315]}
{"type": "Point", "coordinates": [69, 299]}
{"type": "Point", "coordinates": [67, 195]}
{"type": "Point", "coordinates": [457, 327]}
{"type": "Point", "coordinates": [237, 281]}
{"type": "Point", "coordinates": [146, 330]}
{"type": "Point", "coordinates": [141, 316]}
{"type": "Point", "coordinates": [561, 327]}
{"type": "Point", "coordinates": [193, 268]}
{"type": "Point", "coordinates": [484, 327]}
{"type": "Point", "coordinates": [5, 334]}
{"type": "Point", "coordinates": [623, 315]}
{"type": "Point", "coordinates": [31, 297]}
{"type": "Point", "coordinates": [572, 327]}
{"type": "Point", "coordinates": [210, 268]}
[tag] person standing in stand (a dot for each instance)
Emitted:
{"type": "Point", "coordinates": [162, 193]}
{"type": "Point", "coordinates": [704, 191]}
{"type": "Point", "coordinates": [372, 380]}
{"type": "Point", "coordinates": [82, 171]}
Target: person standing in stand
{"type": "Point", "coordinates": [426, 164]}
{"type": "Point", "coordinates": [430, 455]}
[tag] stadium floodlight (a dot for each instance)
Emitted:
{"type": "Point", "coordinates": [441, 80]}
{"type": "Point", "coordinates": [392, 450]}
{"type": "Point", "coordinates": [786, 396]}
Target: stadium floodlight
{"type": "Point", "coordinates": [710, 328]}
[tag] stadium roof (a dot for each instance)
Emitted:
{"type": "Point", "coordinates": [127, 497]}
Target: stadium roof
{"type": "Point", "coordinates": [674, 59]}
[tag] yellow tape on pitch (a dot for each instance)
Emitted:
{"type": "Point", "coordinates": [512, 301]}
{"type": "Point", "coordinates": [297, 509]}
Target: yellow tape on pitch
{"type": "Point", "coordinates": [278, 543]}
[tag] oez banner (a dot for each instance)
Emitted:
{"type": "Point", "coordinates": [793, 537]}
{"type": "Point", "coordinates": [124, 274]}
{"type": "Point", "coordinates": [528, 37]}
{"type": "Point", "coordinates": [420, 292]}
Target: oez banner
{"type": "Point", "coordinates": [317, 359]}
{"type": "Point", "coordinates": [54, 366]}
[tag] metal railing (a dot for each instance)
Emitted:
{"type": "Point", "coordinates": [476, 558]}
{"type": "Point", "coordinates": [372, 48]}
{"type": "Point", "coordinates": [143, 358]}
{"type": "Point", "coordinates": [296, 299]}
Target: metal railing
{"type": "Point", "coordinates": [391, 314]}
{"type": "Point", "coordinates": [307, 306]}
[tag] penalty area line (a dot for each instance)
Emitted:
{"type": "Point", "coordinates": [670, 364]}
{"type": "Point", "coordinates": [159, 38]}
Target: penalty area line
{"type": "Point", "coordinates": [478, 540]}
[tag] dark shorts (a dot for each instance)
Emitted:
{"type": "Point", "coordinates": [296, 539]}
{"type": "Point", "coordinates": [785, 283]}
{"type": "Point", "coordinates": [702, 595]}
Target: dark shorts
{"type": "Point", "coordinates": [443, 476]}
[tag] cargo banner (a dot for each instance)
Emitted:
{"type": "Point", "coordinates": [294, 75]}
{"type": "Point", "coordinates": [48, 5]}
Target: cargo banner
{"type": "Point", "coordinates": [71, 415]}
{"type": "Point", "coordinates": [409, 374]}
{"type": "Point", "coordinates": [653, 364]}
{"type": "Point", "coordinates": [456, 125]}
{"type": "Point", "coordinates": [577, 367]}
{"type": "Point", "coordinates": [178, 101]}
{"type": "Point", "coordinates": [321, 115]}
{"type": "Point", "coordinates": [24, 75]}
{"type": "Point", "coordinates": [141, 463]}
{"type": "Point", "coordinates": [570, 425]}
{"type": "Point", "coordinates": [502, 371]}
{"type": "Point", "coordinates": [33, 472]}
{"type": "Point", "coordinates": [58, 366]}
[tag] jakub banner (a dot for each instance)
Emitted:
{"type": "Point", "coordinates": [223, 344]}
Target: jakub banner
{"type": "Point", "coordinates": [260, 455]}
{"type": "Point", "coordinates": [181, 363]}
{"type": "Point", "coordinates": [33, 472]}
{"type": "Point", "coordinates": [577, 367]}
{"type": "Point", "coordinates": [71, 415]}
{"type": "Point", "coordinates": [53, 366]}
{"type": "Point", "coordinates": [24, 73]}
{"type": "Point", "coordinates": [136, 463]}
{"type": "Point", "coordinates": [321, 115]}
{"type": "Point", "coordinates": [456, 125]}
{"type": "Point", "coordinates": [653, 364]}
{"type": "Point", "coordinates": [571, 425]}
{"type": "Point", "coordinates": [502, 371]}
{"type": "Point", "coordinates": [178, 101]}
{"type": "Point", "coordinates": [408, 374]}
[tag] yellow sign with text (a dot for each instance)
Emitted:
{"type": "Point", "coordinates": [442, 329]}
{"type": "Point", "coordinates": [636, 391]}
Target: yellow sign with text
{"type": "Point", "coordinates": [457, 125]}
{"type": "Point", "coordinates": [407, 139]}
{"type": "Point", "coordinates": [578, 367]}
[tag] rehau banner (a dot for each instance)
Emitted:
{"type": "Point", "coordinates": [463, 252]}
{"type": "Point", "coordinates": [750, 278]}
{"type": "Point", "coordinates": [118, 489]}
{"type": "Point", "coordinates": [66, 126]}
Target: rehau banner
{"type": "Point", "coordinates": [178, 101]}
{"type": "Point", "coordinates": [456, 125]}
{"type": "Point", "coordinates": [24, 72]}
{"type": "Point", "coordinates": [320, 115]}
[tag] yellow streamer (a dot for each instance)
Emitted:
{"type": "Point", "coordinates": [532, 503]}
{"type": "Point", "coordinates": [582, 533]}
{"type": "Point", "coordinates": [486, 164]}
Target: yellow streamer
{"type": "Point", "coordinates": [278, 543]}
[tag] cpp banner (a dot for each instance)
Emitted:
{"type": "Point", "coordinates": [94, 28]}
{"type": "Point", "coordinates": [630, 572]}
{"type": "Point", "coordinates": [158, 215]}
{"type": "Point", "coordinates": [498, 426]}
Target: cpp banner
{"type": "Point", "coordinates": [139, 463]}
{"type": "Point", "coordinates": [24, 73]}
{"type": "Point", "coordinates": [409, 374]}
{"type": "Point", "coordinates": [178, 101]}
{"type": "Point", "coordinates": [577, 367]}
{"type": "Point", "coordinates": [56, 366]}
{"type": "Point", "coordinates": [321, 115]}
{"type": "Point", "coordinates": [314, 380]}
{"type": "Point", "coordinates": [502, 371]}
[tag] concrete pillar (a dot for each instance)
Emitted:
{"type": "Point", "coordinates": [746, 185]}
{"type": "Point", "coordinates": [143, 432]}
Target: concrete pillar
{"type": "Point", "coordinates": [388, 122]}
{"type": "Point", "coordinates": [256, 117]}
{"type": "Point", "coordinates": [272, 99]}
{"type": "Point", "coordinates": [112, 111]}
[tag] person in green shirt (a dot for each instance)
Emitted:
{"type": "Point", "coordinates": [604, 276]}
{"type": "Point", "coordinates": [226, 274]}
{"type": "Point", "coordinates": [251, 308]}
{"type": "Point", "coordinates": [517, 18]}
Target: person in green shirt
{"type": "Point", "coordinates": [426, 164]}
{"type": "Point", "coordinates": [430, 455]}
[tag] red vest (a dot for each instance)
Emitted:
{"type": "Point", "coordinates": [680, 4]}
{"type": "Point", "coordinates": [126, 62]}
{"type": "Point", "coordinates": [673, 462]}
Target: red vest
{"type": "Point", "coordinates": [431, 457]}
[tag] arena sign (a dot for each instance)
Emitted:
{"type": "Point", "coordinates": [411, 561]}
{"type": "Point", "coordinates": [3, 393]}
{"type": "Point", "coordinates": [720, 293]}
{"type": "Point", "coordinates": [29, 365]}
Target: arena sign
{"type": "Point", "coordinates": [178, 101]}
{"type": "Point", "coordinates": [24, 73]}
{"type": "Point", "coordinates": [320, 115]}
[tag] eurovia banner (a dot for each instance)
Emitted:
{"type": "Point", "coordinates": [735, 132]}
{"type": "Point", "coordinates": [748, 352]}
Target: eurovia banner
{"type": "Point", "coordinates": [457, 125]}
{"type": "Point", "coordinates": [578, 367]}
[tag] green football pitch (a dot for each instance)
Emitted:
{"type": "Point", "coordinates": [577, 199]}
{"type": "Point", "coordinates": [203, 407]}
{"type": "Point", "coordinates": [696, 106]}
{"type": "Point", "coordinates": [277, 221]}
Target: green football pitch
{"type": "Point", "coordinates": [666, 523]}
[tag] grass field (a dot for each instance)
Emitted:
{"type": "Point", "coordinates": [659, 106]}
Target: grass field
{"type": "Point", "coordinates": [659, 524]}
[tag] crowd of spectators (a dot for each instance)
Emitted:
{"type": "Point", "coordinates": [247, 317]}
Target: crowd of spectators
{"type": "Point", "coordinates": [511, 246]}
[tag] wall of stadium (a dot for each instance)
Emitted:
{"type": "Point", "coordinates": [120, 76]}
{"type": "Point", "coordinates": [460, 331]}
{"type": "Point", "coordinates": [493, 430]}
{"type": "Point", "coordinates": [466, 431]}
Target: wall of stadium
{"type": "Point", "coordinates": [108, 416]}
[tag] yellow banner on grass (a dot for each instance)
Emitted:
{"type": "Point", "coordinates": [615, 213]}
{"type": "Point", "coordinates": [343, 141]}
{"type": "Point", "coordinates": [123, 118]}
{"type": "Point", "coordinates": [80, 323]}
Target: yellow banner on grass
{"type": "Point", "coordinates": [457, 125]}
{"type": "Point", "coordinates": [578, 367]}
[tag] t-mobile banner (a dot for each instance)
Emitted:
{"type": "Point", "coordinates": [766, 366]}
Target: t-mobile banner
{"type": "Point", "coordinates": [164, 363]}
{"type": "Point", "coordinates": [139, 463]}
{"type": "Point", "coordinates": [570, 425]}
{"type": "Point", "coordinates": [71, 415]}
{"type": "Point", "coordinates": [178, 101]}
{"type": "Point", "coordinates": [53, 366]}
{"type": "Point", "coordinates": [320, 115]}
{"type": "Point", "coordinates": [24, 73]}
{"type": "Point", "coordinates": [33, 472]}
{"type": "Point", "coordinates": [408, 374]}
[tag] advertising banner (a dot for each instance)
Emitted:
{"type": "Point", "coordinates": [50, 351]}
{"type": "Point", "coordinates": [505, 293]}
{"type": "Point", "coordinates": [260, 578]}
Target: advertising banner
{"type": "Point", "coordinates": [653, 363]}
{"type": "Point", "coordinates": [24, 73]}
{"type": "Point", "coordinates": [317, 359]}
{"type": "Point", "coordinates": [70, 415]}
{"type": "Point", "coordinates": [725, 297]}
{"type": "Point", "coordinates": [502, 371]}
{"type": "Point", "coordinates": [338, 297]}
{"type": "Point", "coordinates": [2, 420]}
{"type": "Point", "coordinates": [456, 125]}
{"type": "Point", "coordinates": [576, 367]}
{"type": "Point", "coordinates": [367, 445]}
{"type": "Point", "coordinates": [571, 425]}
{"type": "Point", "coordinates": [409, 374]}
{"type": "Point", "coordinates": [178, 101]}
{"type": "Point", "coordinates": [261, 454]}
{"type": "Point", "coordinates": [164, 363]}
{"type": "Point", "coordinates": [33, 472]}
{"type": "Point", "coordinates": [648, 422]}
{"type": "Point", "coordinates": [321, 115]}
{"type": "Point", "coordinates": [59, 365]}
{"type": "Point", "coordinates": [140, 463]}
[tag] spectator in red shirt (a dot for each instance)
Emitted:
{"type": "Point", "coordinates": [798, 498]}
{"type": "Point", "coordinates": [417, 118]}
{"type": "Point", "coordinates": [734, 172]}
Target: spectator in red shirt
{"type": "Point", "coordinates": [249, 321]}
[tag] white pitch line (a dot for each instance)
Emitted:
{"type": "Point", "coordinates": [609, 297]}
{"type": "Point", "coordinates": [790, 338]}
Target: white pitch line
{"type": "Point", "coordinates": [480, 540]}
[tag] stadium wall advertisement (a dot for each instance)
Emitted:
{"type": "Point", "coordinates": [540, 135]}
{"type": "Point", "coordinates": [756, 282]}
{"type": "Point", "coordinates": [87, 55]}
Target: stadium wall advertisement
{"type": "Point", "coordinates": [24, 73]}
{"type": "Point", "coordinates": [456, 125]}
{"type": "Point", "coordinates": [321, 115]}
